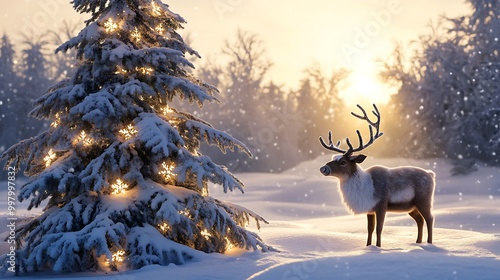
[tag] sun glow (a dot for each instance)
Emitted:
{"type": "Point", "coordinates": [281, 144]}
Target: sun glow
{"type": "Point", "coordinates": [364, 87]}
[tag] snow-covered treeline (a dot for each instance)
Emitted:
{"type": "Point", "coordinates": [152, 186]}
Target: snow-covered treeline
{"type": "Point", "coordinates": [448, 103]}
{"type": "Point", "coordinates": [28, 66]}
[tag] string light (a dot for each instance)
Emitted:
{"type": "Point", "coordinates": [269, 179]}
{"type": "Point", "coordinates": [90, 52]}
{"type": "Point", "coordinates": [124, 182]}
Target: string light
{"type": "Point", "coordinates": [128, 132]}
{"type": "Point", "coordinates": [164, 227]}
{"type": "Point", "coordinates": [167, 171]}
{"type": "Point", "coordinates": [174, 122]}
{"type": "Point", "coordinates": [84, 139]}
{"type": "Point", "coordinates": [118, 256]}
{"type": "Point", "coordinates": [136, 35]}
{"type": "Point", "coordinates": [155, 8]}
{"type": "Point", "coordinates": [49, 158]}
{"type": "Point", "coordinates": [119, 187]}
{"type": "Point", "coordinates": [144, 70]}
{"type": "Point", "coordinates": [120, 70]}
{"type": "Point", "coordinates": [159, 28]}
{"type": "Point", "coordinates": [56, 122]}
{"type": "Point", "coordinates": [205, 234]}
{"type": "Point", "coordinates": [229, 245]}
{"type": "Point", "coordinates": [185, 212]}
{"type": "Point", "coordinates": [110, 26]}
{"type": "Point", "coordinates": [204, 192]}
{"type": "Point", "coordinates": [166, 110]}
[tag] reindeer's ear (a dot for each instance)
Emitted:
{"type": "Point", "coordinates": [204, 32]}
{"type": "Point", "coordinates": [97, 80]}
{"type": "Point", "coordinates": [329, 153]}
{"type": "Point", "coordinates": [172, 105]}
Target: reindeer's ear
{"type": "Point", "coordinates": [357, 158]}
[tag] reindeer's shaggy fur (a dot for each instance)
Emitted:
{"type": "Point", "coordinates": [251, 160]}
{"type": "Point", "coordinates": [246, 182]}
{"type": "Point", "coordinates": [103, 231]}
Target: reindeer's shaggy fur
{"type": "Point", "coordinates": [357, 192]}
{"type": "Point", "coordinates": [380, 189]}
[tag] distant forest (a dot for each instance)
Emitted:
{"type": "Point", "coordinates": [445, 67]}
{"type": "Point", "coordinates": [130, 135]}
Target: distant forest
{"type": "Point", "coordinates": [447, 105]}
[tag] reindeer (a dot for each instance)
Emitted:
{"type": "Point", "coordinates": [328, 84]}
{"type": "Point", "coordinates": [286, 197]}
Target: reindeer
{"type": "Point", "coordinates": [379, 189]}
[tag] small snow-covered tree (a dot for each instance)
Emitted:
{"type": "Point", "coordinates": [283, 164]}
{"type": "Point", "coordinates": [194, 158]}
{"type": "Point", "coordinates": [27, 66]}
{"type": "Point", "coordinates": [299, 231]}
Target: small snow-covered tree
{"type": "Point", "coordinates": [119, 168]}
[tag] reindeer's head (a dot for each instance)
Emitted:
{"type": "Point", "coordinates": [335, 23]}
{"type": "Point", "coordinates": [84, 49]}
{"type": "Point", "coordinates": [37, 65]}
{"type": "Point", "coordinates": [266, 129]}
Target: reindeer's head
{"type": "Point", "coordinates": [343, 166]}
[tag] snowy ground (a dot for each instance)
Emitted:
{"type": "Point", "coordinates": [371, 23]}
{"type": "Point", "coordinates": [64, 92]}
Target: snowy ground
{"type": "Point", "coordinates": [318, 239]}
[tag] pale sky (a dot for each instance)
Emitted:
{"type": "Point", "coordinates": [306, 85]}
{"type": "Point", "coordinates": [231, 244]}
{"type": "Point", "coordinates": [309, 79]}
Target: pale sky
{"type": "Point", "coordinates": [334, 33]}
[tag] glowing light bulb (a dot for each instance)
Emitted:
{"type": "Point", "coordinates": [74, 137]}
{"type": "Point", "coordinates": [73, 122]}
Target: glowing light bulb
{"type": "Point", "coordinates": [174, 122]}
{"type": "Point", "coordinates": [128, 132]}
{"type": "Point", "coordinates": [136, 35]}
{"type": "Point", "coordinates": [118, 256]}
{"type": "Point", "coordinates": [159, 28]}
{"type": "Point", "coordinates": [167, 171]}
{"type": "Point", "coordinates": [118, 187]}
{"type": "Point", "coordinates": [166, 110]}
{"type": "Point", "coordinates": [185, 212]}
{"type": "Point", "coordinates": [84, 139]}
{"type": "Point", "coordinates": [229, 245]}
{"type": "Point", "coordinates": [205, 234]}
{"type": "Point", "coordinates": [49, 158]}
{"type": "Point", "coordinates": [56, 122]}
{"type": "Point", "coordinates": [204, 192]}
{"type": "Point", "coordinates": [164, 227]}
{"type": "Point", "coordinates": [155, 8]}
{"type": "Point", "coordinates": [144, 70]}
{"type": "Point", "coordinates": [120, 70]}
{"type": "Point", "coordinates": [110, 26]}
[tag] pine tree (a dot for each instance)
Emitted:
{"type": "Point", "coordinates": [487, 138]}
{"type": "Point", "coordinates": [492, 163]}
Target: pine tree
{"type": "Point", "coordinates": [34, 82]}
{"type": "Point", "coordinates": [119, 168]}
{"type": "Point", "coordinates": [8, 88]}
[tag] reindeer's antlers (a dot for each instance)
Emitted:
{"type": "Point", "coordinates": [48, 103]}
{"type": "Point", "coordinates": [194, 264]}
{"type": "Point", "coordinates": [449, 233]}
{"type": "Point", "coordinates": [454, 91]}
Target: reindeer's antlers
{"type": "Point", "coordinates": [330, 146]}
{"type": "Point", "coordinates": [376, 124]}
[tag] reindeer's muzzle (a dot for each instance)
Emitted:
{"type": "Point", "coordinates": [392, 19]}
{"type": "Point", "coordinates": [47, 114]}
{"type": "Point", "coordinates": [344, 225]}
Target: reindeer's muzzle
{"type": "Point", "coordinates": [325, 170]}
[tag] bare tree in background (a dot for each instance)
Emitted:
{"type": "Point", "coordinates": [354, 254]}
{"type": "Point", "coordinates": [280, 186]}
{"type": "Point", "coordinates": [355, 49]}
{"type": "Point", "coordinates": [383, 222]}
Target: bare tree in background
{"type": "Point", "coordinates": [251, 106]}
{"type": "Point", "coordinates": [62, 66]}
{"type": "Point", "coordinates": [318, 106]}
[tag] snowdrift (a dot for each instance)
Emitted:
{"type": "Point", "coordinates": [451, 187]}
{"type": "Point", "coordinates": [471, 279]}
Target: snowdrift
{"type": "Point", "coordinates": [318, 239]}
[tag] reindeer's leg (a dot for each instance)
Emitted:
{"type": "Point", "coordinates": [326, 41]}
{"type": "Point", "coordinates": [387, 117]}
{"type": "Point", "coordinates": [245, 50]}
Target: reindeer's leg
{"type": "Point", "coordinates": [420, 223]}
{"type": "Point", "coordinates": [429, 220]}
{"type": "Point", "coordinates": [371, 227]}
{"type": "Point", "coordinates": [380, 214]}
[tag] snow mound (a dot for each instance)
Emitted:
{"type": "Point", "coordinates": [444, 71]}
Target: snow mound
{"type": "Point", "coordinates": [318, 239]}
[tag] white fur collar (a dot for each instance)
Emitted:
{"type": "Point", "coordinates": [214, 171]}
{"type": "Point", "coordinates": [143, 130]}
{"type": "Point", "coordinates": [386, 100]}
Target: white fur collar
{"type": "Point", "coordinates": [357, 192]}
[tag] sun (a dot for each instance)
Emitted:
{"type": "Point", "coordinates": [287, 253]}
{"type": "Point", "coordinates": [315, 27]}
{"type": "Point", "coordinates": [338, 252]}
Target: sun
{"type": "Point", "coordinates": [365, 88]}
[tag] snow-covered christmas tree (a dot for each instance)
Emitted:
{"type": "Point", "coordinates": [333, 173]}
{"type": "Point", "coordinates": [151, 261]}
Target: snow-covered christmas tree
{"type": "Point", "coordinates": [119, 168]}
